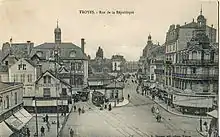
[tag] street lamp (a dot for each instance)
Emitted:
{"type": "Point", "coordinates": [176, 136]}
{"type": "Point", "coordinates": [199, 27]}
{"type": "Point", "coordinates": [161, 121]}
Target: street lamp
{"type": "Point", "coordinates": [56, 60]}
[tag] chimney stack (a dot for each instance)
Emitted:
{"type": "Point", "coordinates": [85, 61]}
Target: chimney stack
{"type": "Point", "coordinates": [83, 44]}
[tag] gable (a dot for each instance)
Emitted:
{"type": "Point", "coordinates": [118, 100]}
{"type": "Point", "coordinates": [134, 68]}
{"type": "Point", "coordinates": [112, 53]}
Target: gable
{"type": "Point", "coordinates": [25, 64]}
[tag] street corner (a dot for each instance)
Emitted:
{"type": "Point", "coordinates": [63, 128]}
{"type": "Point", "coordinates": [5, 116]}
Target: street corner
{"type": "Point", "coordinates": [121, 104]}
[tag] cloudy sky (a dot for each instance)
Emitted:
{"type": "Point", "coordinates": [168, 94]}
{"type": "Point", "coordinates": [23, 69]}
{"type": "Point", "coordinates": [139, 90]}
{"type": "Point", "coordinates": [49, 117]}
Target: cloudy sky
{"type": "Point", "coordinates": [35, 20]}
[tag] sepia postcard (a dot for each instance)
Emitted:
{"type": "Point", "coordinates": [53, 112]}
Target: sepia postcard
{"type": "Point", "coordinates": [109, 68]}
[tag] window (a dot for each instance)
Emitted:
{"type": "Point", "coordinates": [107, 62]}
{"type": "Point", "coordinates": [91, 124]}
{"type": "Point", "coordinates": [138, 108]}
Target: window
{"type": "Point", "coordinates": [45, 80]}
{"type": "Point", "coordinates": [73, 54]}
{"type": "Point", "coordinates": [64, 91]}
{"type": "Point", "coordinates": [72, 66]}
{"type": "Point", "coordinates": [152, 76]}
{"type": "Point", "coordinates": [29, 77]}
{"type": "Point", "coordinates": [19, 66]}
{"type": "Point", "coordinates": [6, 63]}
{"type": "Point", "coordinates": [24, 66]}
{"type": "Point", "coordinates": [193, 70]}
{"type": "Point", "coordinates": [49, 79]}
{"type": "Point", "coordinates": [46, 92]}
{"type": "Point", "coordinates": [16, 98]}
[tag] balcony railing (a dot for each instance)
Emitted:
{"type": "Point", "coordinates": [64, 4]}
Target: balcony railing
{"type": "Point", "coordinates": [197, 62]}
{"type": "Point", "coordinates": [196, 76]}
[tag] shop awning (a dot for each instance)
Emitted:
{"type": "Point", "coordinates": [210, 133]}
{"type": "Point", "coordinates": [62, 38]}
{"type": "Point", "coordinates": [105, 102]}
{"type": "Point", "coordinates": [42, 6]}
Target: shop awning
{"type": "Point", "coordinates": [23, 116]}
{"type": "Point", "coordinates": [14, 122]}
{"type": "Point", "coordinates": [213, 113]}
{"type": "Point", "coordinates": [5, 130]}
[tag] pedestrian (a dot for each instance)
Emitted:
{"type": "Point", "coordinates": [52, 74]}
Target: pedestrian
{"type": "Point", "coordinates": [28, 132]}
{"type": "Point", "coordinates": [79, 109]}
{"type": "Point", "coordinates": [48, 126]}
{"type": "Point", "coordinates": [71, 132]}
{"type": "Point", "coordinates": [74, 108]}
{"type": "Point", "coordinates": [46, 118]}
{"type": "Point", "coordinates": [42, 131]}
{"type": "Point", "coordinates": [128, 96]}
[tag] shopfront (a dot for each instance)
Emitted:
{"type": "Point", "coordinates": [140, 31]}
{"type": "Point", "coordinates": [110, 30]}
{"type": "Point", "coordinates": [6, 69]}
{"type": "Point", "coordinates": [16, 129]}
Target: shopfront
{"type": "Point", "coordinates": [16, 124]}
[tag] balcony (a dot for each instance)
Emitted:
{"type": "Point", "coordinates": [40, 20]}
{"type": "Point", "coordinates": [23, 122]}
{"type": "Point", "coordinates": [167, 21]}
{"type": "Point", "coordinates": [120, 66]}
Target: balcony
{"type": "Point", "coordinates": [196, 62]}
{"type": "Point", "coordinates": [196, 76]}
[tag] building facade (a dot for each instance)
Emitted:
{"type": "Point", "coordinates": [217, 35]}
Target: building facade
{"type": "Point", "coordinates": [118, 63]}
{"type": "Point", "coordinates": [69, 55]}
{"type": "Point", "coordinates": [13, 117]}
{"type": "Point", "coordinates": [50, 92]}
{"type": "Point", "coordinates": [191, 71]}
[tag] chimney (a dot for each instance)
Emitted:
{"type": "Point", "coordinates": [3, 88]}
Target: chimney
{"type": "Point", "coordinates": [82, 45]}
{"type": "Point", "coordinates": [29, 47]}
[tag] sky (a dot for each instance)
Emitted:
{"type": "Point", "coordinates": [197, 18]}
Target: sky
{"type": "Point", "coordinates": [35, 20]}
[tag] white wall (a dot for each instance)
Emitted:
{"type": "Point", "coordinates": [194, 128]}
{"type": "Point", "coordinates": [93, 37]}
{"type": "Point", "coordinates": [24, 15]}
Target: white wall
{"type": "Point", "coordinates": [15, 72]}
{"type": "Point", "coordinates": [11, 94]}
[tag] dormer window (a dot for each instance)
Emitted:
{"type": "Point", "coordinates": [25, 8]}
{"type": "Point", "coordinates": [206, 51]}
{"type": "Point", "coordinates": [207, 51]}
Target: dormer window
{"type": "Point", "coordinates": [39, 54]}
{"type": "Point", "coordinates": [73, 53]}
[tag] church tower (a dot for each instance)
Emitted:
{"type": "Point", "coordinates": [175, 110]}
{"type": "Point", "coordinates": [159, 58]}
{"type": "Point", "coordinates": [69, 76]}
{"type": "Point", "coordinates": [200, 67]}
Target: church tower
{"type": "Point", "coordinates": [201, 20]}
{"type": "Point", "coordinates": [57, 34]}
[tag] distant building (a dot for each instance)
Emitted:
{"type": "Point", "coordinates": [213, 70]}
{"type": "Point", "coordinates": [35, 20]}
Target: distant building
{"type": "Point", "coordinates": [131, 66]}
{"type": "Point", "coordinates": [144, 62]}
{"type": "Point", "coordinates": [118, 63]}
{"type": "Point", "coordinates": [13, 117]}
{"type": "Point", "coordinates": [99, 53]}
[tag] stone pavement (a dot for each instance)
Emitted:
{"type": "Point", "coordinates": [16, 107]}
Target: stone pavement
{"type": "Point", "coordinates": [53, 127]}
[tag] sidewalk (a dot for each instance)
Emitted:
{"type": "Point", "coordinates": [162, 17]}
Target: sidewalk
{"type": "Point", "coordinates": [202, 133]}
{"type": "Point", "coordinates": [120, 104]}
{"type": "Point", "coordinates": [173, 110]}
{"type": "Point", "coordinates": [53, 127]}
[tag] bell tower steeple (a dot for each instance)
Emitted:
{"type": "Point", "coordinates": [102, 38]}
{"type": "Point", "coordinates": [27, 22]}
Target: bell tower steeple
{"type": "Point", "coordinates": [57, 34]}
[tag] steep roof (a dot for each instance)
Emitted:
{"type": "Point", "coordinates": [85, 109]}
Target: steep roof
{"type": "Point", "coordinates": [51, 73]}
{"type": "Point", "coordinates": [65, 48]}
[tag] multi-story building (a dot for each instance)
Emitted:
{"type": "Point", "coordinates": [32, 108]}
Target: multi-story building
{"type": "Point", "coordinates": [13, 117]}
{"type": "Point", "coordinates": [145, 59]}
{"type": "Point", "coordinates": [25, 71]}
{"type": "Point", "coordinates": [69, 55]}
{"type": "Point", "coordinates": [51, 92]}
{"type": "Point", "coordinates": [191, 66]}
{"type": "Point", "coordinates": [176, 39]}
{"type": "Point", "coordinates": [118, 62]}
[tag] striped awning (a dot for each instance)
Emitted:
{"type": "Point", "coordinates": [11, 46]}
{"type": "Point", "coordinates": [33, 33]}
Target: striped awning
{"type": "Point", "coordinates": [213, 113]}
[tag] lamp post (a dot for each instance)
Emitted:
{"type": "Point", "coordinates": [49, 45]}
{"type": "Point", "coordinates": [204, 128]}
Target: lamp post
{"type": "Point", "coordinates": [56, 60]}
{"type": "Point", "coordinates": [115, 93]}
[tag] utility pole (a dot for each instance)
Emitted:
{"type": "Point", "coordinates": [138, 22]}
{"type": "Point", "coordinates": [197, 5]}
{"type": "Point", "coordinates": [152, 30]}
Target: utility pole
{"type": "Point", "coordinates": [35, 102]}
{"type": "Point", "coordinates": [56, 74]}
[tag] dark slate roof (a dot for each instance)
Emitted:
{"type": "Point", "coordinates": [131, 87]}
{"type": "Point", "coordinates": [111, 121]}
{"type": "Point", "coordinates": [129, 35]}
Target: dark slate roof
{"type": "Point", "coordinates": [30, 62]}
{"type": "Point", "coordinates": [3, 68]}
{"type": "Point", "coordinates": [117, 85]}
{"type": "Point", "coordinates": [65, 48]}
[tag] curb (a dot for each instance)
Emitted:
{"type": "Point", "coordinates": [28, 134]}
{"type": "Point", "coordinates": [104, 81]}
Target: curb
{"type": "Point", "coordinates": [201, 133]}
{"type": "Point", "coordinates": [189, 116]}
{"type": "Point", "coordinates": [64, 122]}
{"type": "Point", "coordinates": [121, 105]}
